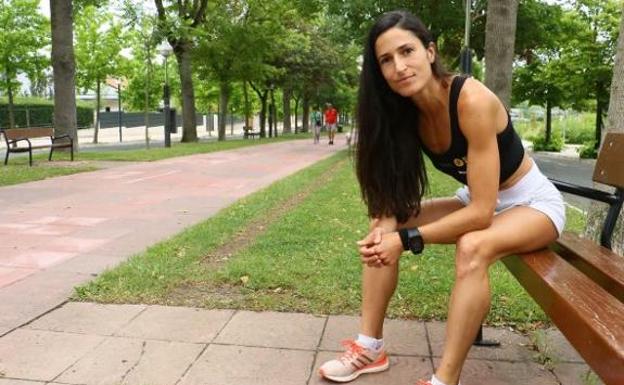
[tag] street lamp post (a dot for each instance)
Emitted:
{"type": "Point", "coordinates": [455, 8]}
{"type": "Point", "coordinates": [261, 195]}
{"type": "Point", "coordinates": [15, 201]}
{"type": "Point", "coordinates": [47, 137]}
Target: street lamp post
{"type": "Point", "coordinates": [466, 58]}
{"type": "Point", "coordinates": [165, 50]}
{"type": "Point", "coordinates": [119, 108]}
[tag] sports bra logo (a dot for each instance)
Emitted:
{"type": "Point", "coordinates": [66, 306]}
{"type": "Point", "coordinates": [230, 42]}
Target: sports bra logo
{"type": "Point", "coordinates": [460, 162]}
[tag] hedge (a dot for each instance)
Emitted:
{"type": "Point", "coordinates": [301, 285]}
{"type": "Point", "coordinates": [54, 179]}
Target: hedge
{"type": "Point", "coordinates": [40, 114]}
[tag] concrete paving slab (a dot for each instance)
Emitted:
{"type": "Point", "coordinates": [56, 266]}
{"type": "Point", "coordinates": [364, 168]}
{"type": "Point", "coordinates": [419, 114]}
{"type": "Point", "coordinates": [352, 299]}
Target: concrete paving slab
{"type": "Point", "coordinates": [35, 295]}
{"type": "Point", "coordinates": [224, 365]}
{"type": "Point", "coordinates": [90, 264]}
{"type": "Point", "coordinates": [87, 318]}
{"type": "Point", "coordinates": [6, 381]}
{"type": "Point", "coordinates": [575, 374]}
{"type": "Point", "coordinates": [180, 324]}
{"type": "Point", "coordinates": [400, 336]}
{"type": "Point", "coordinates": [272, 329]}
{"type": "Point", "coordinates": [513, 345]}
{"type": "Point", "coordinates": [133, 361]}
{"type": "Point", "coordinates": [559, 348]}
{"type": "Point", "coordinates": [42, 355]}
{"type": "Point", "coordinates": [479, 372]}
{"type": "Point", "coordinates": [403, 370]}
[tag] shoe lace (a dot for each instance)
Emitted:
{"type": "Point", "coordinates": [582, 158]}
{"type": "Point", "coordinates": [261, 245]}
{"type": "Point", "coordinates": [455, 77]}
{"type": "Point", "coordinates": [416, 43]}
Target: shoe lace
{"type": "Point", "coordinates": [353, 350]}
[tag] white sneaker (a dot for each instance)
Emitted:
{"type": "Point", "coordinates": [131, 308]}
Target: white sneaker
{"type": "Point", "coordinates": [356, 360]}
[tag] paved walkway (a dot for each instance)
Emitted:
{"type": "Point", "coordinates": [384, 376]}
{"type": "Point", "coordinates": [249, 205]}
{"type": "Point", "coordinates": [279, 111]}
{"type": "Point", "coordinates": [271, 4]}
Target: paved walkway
{"type": "Point", "coordinates": [60, 232]}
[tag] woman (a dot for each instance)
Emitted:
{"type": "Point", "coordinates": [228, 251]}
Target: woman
{"type": "Point", "coordinates": [408, 104]}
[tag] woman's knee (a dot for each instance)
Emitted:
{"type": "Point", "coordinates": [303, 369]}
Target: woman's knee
{"type": "Point", "coordinates": [472, 255]}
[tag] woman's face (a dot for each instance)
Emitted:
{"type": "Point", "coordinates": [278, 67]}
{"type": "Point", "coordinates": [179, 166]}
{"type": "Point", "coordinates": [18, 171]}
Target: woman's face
{"type": "Point", "coordinates": [404, 61]}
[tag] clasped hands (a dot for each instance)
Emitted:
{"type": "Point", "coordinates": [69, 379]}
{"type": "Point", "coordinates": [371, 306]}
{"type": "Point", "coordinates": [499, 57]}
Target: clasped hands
{"type": "Point", "coordinates": [380, 248]}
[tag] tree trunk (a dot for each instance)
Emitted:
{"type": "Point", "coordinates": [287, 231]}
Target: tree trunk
{"type": "Point", "coordinates": [306, 114]}
{"type": "Point", "coordinates": [548, 121]}
{"type": "Point", "coordinates": [500, 37]}
{"type": "Point", "coordinates": [262, 95]}
{"type": "Point", "coordinates": [296, 115]}
{"type": "Point", "coordinates": [598, 127]}
{"type": "Point", "coordinates": [148, 63]}
{"type": "Point", "coordinates": [247, 106]}
{"type": "Point", "coordinates": [273, 112]}
{"type": "Point", "coordinates": [189, 120]}
{"type": "Point", "coordinates": [96, 131]}
{"type": "Point", "coordinates": [64, 69]}
{"type": "Point", "coordinates": [224, 96]}
{"type": "Point", "coordinates": [615, 122]}
{"type": "Point", "coordinates": [287, 95]}
{"type": "Point", "coordinates": [10, 106]}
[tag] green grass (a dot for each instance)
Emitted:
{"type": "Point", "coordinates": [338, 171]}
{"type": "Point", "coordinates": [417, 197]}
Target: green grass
{"type": "Point", "coordinates": [182, 149]}
{"type": "Point", "coordinates": [305, 261]}
{"type": "Point", "coordinates": [18, 170]}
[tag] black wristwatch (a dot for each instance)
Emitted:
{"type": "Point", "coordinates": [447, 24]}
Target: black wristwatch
{"type": "Point", "coordinates": [412, 240]}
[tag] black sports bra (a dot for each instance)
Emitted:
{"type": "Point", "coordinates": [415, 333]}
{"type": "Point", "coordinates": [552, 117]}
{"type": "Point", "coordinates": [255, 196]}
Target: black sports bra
{"type": "Point", "coordinates": [453, 162]}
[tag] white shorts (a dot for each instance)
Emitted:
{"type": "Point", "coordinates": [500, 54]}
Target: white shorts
{"type": "Point", "coordinates": [533, 190]}
{"type": "Point", "coordinates": [331, 127]}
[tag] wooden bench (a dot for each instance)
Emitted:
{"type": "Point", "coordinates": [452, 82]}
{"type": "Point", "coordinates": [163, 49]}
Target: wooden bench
{"type": "Point", "coordinates": [248, 132]}
{"type": "Point", "coordinates": [18, 140]}
{"type": "Point", "coordinates": [580, 284]}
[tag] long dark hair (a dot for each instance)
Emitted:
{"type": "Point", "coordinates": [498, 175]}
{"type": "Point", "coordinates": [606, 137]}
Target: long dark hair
{"type": "Point", "coordinates": [389, 161]}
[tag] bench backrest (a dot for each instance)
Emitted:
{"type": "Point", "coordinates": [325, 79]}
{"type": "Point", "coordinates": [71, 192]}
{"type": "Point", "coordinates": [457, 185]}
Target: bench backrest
{"type": "Point", "coordinates": [609, 167]}
{"type": "Point", "coordinates": [17, 133]}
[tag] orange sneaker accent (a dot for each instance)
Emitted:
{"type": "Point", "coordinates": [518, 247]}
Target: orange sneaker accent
{"type": "Point", "coordinates": [354, 361]}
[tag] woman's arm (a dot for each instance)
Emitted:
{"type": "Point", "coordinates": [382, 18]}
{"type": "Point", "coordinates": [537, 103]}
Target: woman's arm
{"type": "Point", "coordinates": [478, 111]}
{"type": "Point", "coordinates": [479, 119]}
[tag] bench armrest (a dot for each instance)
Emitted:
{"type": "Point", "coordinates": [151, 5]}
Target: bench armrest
{"type": "Point", "coordinates": [66, 136]}
{"type": "Point", "coordinates": [14, 141]}
{"type": "Point", "coordinates": [586, 192]}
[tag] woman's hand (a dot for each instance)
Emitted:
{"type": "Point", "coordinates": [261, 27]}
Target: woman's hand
{"type": "Point", "coordinates": [380, 248]}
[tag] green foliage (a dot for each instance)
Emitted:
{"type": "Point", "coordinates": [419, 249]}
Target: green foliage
{"type": "Point", "coordinates": [24, 34]}
{"type": "Point", "coordinates": [588, 151]}
{"type": "Point", "coordinates": [98, 42]}
{"type": "Point", "coordinates": [555, 144]}
{"type": "Point", "coordinates": [40, 113]}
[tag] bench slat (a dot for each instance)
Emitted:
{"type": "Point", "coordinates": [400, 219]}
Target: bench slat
{"type": "Point", "coordinates": [599, 263]}
{"type": "Point", "coordinates": [16, 133]}
{"type": "Point", "coordinates": [590, 318]}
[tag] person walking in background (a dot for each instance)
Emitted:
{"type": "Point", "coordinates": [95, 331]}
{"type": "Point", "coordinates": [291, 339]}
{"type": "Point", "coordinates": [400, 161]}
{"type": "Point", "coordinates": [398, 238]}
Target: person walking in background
{"type": "Point", "coordinates": [316, 120]}
{"type": "Point", "coordinates": [331, 119]}
{"type": "Point", "coordinates": [409, 106]}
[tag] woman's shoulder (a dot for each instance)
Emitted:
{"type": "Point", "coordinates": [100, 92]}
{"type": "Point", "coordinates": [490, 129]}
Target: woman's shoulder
{"type": "Point", "coordinates": [475, 96]}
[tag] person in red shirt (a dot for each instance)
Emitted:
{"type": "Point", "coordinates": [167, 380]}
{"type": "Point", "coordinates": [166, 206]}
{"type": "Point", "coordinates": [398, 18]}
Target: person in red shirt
{"type": "Point", "coordinates": [331, 118]}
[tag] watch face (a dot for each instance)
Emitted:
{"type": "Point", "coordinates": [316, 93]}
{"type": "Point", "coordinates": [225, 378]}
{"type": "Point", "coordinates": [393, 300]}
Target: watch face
{"type": "Point", "coordinates": [415, 241]}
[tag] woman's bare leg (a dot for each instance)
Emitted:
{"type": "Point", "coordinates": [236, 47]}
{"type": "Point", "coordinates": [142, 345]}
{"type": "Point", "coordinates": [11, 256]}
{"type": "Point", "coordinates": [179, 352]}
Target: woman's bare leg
{"type": "Point", "coordinates": [470, 298]}
{"type": "Point", "coordinates": [379, 283]}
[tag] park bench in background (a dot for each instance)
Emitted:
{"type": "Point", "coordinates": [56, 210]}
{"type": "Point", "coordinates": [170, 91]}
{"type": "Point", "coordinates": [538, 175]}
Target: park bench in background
{"type": "Point", "coordinates": [248, 132]}
{"type": "Point", "coordinates": [19, 140]}
{"type": "Point", "coordinates": [580, 284]}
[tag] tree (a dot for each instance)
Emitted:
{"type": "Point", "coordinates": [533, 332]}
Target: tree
{"type": "Point", "coordinates": [178, 22]}
{"type": "Point", "coordinates": [615, 122]}
{"type": "Point", "coordinates": [64, 69]}
{"type": "Point", "coordinates": [588, 55]}
{"type": "Point", "coordinates": [23, 36]}
{"type": "Point", "coordinates": [144, 37]}
{"type": "Point", "coordinates": [98, 42]}
{"type": "Point", "coordinates": [500, 37]}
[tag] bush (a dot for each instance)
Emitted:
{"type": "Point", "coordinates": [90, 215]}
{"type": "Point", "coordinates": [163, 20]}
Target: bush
{"type": "Point", "coordinates": [556, 143]}
{"type": "Point", "coordinates": [588, 151]}
{"type": "Point", "coordinates": [40, 113]}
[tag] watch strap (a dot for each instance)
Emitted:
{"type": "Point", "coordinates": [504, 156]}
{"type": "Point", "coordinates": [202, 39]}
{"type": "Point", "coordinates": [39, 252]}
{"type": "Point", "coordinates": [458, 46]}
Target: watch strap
{"type": "Point", "coordinates": [403, 235]}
